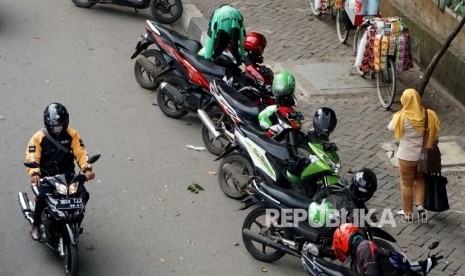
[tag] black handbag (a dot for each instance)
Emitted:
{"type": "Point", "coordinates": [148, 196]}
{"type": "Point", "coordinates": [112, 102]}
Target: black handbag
{"type": "Point", "coordinates": [436, 193]}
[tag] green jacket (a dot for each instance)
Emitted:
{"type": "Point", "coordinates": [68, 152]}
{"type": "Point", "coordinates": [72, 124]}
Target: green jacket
{"type": "Point", "coordinates": [226, 23]}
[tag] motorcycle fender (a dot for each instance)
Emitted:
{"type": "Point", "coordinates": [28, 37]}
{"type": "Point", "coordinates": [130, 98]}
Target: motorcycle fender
{"type": "Point", "coordinates": [141, 46]}
{"type": "Point", "coordinates": [69, 232]}
{"type": "Point", "coordinates": [249, 201]}
{"type": "Point", "coordinates": [231, 147]}
{"type": "Point", "coordinates": [380, 233]}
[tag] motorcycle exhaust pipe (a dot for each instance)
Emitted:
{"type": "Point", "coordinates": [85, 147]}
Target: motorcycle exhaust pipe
{"type": "Point", "coordinates": [172, 93]}
{"type": "Point", "coordinates": [208, 123]}
{"type": "Point", "coordinates": [268, 242]}
{"type": "Point", "coordinates": [147, 65]}
{"type": "Point", "coordinates": [24, 203]}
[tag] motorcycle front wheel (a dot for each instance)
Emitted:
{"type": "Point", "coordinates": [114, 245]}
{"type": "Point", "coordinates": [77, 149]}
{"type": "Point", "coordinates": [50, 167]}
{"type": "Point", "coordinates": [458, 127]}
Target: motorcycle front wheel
{"type": "Point", "coordinates": [83, 3]}
{"type": "Point", "coordinates": [216, 146]}
{"type": "Point", "coordinates": [258, 222]}
{"type": "Point", "coordinates": [166, 105]}
{"type": "Point", "coordinates": [234, 174]}
{"type": "Point", "coordinates": [71, 260]}
{"type": "Point", "coordinates": [166, 11]}
{"type": "Point", "coordinates": [142, 77]}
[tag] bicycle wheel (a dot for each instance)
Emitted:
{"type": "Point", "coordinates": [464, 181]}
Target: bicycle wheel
{"type": "Point", "coordinates": [386, 84]}
{"type": "Point", "coordinates": [342, 25]}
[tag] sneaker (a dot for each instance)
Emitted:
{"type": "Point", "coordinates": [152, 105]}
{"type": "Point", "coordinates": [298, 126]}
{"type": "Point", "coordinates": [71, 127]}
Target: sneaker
{"type": "Point", "coordinates": [421, 211]}
{"type": "Point", "coordinates": [405, 217]}
{"type": "Point", "coordinates": [35, 232]}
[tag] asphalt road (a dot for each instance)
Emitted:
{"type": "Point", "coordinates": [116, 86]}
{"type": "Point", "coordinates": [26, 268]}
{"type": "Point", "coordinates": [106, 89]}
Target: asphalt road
{"type": "Point", "coordinates": [141, 219]}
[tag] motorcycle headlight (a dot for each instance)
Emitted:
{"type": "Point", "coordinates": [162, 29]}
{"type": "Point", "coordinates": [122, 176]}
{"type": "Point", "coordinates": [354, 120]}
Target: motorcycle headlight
{"type": "Point", "coordinates": [61, 189]}
{"type": "Point", "coordinates": [73, 188]}
{"type": "Point", "coordinates": [334, 166]}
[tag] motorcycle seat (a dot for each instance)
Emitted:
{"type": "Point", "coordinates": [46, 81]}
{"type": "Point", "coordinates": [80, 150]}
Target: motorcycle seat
{"type": "Point", "coordinates": [205, 66]}
{"type": "Point", "coordinates": [271, 146]}
{"type": "Point", "coordinates": [333, 269]}
{"type": "Point", "coordinates": [288, 197]}
{"type": "Point", "coordinates": [245, 108]}
{"type": "Point", "coordinates": [176, 38]}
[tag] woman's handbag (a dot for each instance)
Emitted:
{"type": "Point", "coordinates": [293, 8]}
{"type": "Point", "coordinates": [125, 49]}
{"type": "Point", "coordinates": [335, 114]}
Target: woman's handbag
{"type": "Point", "coordinates": [436, 193]}
{"type": "Point", "coordinates": [430, 159]}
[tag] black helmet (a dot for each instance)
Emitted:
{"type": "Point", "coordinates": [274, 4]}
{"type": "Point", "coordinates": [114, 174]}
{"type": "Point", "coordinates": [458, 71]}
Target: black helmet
{"type": "Point", "coordinates": [324, 121]}
{"type": "Point", "coordinates": [364, 185]}
{"type": "Point", "coordinates": [55, 115]}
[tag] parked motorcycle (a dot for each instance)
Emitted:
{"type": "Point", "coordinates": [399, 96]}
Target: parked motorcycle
{"type": "Point", "coordinates": [188, 75]}
{"type": "Point", "coordinates": [164, 11]}
{"type": "Point", "coordinates": [252, 151]}
{"type": "Point", "coordinates": [317, 266]}
{"type": "Point", "coordinates": [276, 226]}
{"type": "Point", "coordinates": [61, 219]}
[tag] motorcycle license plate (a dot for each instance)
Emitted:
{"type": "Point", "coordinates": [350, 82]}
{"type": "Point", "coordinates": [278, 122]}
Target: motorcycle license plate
{"type": "Point", "coordinates": [69, 203]}
{"type": "Point", "coordinates": [296, 115]}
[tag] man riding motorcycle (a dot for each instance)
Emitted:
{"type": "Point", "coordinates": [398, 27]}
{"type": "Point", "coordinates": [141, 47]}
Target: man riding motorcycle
{"type": "Point", "coordinates": [54, 148]}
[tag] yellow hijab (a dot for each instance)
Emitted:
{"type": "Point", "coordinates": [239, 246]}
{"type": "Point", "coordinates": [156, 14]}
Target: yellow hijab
{"type": "Point", "coordinates": [411, 107]}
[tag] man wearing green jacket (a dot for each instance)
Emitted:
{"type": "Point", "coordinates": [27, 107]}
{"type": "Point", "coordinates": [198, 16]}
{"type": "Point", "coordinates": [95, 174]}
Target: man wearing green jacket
{"type": "Point", "coordinates": [226, 29]}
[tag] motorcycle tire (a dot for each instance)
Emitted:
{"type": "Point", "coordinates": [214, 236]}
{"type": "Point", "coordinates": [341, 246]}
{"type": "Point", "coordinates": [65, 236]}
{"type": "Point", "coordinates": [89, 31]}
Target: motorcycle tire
{"type": "Point", "coordinates": [83, 3]}
{"type": "Point", "coordinates": [144, 79]}
{"type": "Point", "coordinates": [243, 167]}
{"type": "Point", "coordinates": [165, 104]}
{"type": "Point", "coordinates": [216, 146]}
{"type": "Point", "coordinates": [162, 10]}
{"type": "Point", "coordinates": [71, 259]}
{"type": "Point", "coordinates": [256, 249]}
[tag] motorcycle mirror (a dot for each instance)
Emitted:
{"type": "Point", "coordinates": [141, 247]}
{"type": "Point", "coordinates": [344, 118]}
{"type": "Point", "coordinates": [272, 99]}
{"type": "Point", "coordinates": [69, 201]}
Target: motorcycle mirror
{"type": "Point", "coordinates": [93, 159]}
{"type": "Point", "coordinates": [433, 245]}
{"type": "Point", "coordinates": [31, 164]}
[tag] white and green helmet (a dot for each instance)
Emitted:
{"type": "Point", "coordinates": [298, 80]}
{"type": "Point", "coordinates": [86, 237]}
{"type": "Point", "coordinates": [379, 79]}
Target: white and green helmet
{"type": "Point", "coordinates": [283, 84]}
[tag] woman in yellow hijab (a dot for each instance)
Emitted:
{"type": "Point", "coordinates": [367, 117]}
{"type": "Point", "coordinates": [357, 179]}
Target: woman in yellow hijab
{"type": "Point", "coordinates": [408, 127]}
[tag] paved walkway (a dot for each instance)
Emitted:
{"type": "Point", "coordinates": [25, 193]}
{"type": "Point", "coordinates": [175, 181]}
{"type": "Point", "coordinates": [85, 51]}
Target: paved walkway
{"type": "Point", "coordinates": [297, 37]}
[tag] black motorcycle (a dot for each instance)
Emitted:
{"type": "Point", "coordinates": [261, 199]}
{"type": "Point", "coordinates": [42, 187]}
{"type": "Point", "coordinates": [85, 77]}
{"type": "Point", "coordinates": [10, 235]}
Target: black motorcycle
{"type": "Point", "coordinates": [316, 266]}
{"type": "Point", "coordinates": [267, 237]}
{"type": "Point", "coordinates": [64, 212]}
{"type": "Point", "coordinates": [164, 11]}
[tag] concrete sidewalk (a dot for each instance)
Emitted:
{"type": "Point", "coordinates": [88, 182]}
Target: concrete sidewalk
{"type": "Point", "coordinates": [308, 47]}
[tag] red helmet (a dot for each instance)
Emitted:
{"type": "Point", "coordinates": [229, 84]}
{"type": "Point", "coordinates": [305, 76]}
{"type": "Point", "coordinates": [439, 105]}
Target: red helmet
{"type": "Point", "coordinates": [342, 238]}
{"type": "Point", "coordinates": [255, 43]}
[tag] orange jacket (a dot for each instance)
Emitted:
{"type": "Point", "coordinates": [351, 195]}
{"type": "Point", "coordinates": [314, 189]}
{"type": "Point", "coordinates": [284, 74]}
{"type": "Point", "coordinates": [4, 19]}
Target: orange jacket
{"type": "Point", "coordinates": [53, 161]}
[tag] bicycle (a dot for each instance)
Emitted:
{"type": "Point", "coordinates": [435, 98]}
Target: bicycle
{"type": "Point", "coordinates": [386, 76]}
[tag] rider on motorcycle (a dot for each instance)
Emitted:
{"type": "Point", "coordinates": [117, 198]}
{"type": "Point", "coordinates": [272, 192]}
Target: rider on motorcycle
{"type": "Point", "coordinates": [372, 260]}
{"type": "Point", "coordinates": [54, 148]}
{"type": "Point", "coordinates": [226, 28]}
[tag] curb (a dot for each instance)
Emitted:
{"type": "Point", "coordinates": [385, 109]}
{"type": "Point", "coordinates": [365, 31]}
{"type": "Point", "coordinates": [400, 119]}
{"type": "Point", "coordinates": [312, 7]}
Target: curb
{"type": "Point", "coordinates": [193, 22]}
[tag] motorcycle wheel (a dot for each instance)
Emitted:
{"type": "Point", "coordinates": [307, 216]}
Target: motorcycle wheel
{"type": "Point", "coordinates": [256, 222]}
{"type": "Point", "coordinates": [145, 80]}
{"type": "Point", "coordinates": [234, 175]}
{"type": "Point", "coordinates": [83, 3]}
{"type": "Point", "coordinates": [166, 105]}
{"type": "Point", "coordinates": [216, 146]}
{"type": "Point", "coordinates": [71, 259]}
{"type": "Point", "coordinates": [166, 11]}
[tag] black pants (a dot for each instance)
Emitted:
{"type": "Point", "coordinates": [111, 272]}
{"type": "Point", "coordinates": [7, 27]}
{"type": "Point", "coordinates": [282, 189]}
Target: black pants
{"type": "Point", "coordinates": [41, 203]}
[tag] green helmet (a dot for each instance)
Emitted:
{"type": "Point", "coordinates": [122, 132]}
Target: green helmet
{"type": "Point", "coordinates": [320, 214]}
{"type": "Point", "coordinates": [283, 84]}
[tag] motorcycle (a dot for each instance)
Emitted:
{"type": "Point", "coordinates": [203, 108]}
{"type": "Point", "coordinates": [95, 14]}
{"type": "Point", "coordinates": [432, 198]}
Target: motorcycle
{"type": "Point", "coordinates": [276, 227]}
{"type": "Point", "coordinates": [187, 75]}
{"type": "Point", "coordinates": [164, 11]}
{"type": "Point", "coordinates": [62, 217]}
{"type": "Point", "coordinates": [317, 266]}
{"type": "Point", "coordinates": [252, 152]}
